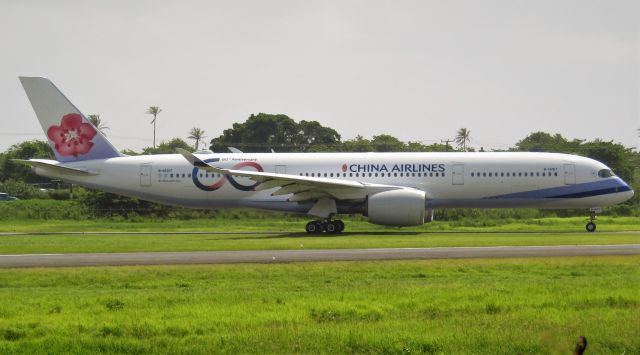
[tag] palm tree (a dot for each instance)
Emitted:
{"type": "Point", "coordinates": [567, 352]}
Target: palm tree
{"type": "Point", "coordinates": [154, 110]}
{"type": "Point", "coordinates": [463, 137]}
{"type": "Point", "coordinates": [96, 121]}
{"type": "Point", "coordinates": [197, 135]}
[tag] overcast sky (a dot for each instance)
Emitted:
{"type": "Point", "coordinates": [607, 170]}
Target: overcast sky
{"type": "Point", "coordinates": [418, 70]}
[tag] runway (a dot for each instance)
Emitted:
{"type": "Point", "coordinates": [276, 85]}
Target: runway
{"type": "Point", "coordinates": [284, 256]}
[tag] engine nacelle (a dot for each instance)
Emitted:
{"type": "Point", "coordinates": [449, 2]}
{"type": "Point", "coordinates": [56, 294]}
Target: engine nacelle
{"type": "Point", "coordinates": [402, 207]}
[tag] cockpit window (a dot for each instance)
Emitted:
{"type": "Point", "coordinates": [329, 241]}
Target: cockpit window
{"type": "Point", "coordinates": [605, 173]}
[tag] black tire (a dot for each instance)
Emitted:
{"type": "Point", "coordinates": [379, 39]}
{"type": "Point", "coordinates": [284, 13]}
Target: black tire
{"type": "Point", "coordinates": [332, 227]}
{"type": "Point", "coordinates": [340, 225]}
{"type": "Point", "coordinates": [312, 227]}
{"type": "Point", "coordinates": [320, 227]}
{"type": "Point", "coordinates": [591, 227]}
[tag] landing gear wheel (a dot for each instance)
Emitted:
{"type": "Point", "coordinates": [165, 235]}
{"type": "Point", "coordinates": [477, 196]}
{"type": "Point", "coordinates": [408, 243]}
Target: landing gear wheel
{"type": "Point", "coordinates": [313, 227]}
{"type": "Point", "coordinates": [332, 227]}
{"type": "Point", "coordinates": [593, 212]}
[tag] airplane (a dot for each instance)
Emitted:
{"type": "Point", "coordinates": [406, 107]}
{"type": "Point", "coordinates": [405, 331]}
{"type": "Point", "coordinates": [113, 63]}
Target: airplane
{"type": "Point", "coordinates": [392, 189]}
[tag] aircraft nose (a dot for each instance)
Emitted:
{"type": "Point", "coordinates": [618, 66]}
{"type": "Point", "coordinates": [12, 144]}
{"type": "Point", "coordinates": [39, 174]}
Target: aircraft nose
{"type": "Point", "coordinates": [625, 191]}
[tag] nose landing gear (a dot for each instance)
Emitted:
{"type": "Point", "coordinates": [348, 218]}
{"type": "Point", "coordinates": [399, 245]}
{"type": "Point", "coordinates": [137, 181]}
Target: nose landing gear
{"type": "Point", "coordinates": [328, 226]}
{"type": "Point", "coordinates": [591, 225]}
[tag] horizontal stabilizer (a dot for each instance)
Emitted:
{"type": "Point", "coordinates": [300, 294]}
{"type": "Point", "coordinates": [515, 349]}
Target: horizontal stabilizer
{"type": "Point", "coordinates": [53, 167]}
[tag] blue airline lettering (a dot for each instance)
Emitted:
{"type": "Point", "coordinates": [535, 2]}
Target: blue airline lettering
{"type": "Point", "coordinates": [398, 168]}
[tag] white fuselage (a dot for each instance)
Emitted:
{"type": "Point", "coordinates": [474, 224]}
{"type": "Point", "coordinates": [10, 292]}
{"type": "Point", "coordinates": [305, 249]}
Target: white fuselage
{"type": "Point", "coordinates": [540, 180]}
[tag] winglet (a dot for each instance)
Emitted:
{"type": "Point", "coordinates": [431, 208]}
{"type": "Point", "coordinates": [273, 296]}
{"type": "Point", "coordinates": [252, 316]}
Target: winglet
{"type": "Point", "coordinates": [187, 155]}
{"type": "Point", "coordinates": [197, 162]}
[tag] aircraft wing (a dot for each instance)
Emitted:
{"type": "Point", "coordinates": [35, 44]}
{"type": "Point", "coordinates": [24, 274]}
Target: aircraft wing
{"type": "Point", "coordinates": [303, 188]}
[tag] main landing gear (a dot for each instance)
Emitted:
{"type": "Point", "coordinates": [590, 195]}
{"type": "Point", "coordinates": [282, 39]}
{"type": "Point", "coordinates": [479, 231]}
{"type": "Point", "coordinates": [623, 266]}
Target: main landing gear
{"type": "Point", "coordinates": [591, 225]}
{"type": "Point", "coordinates": [329, 226]}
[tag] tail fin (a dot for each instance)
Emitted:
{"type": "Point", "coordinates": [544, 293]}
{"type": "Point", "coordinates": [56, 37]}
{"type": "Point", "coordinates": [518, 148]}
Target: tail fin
{"type": "Point", "coordinates": [71, 136]}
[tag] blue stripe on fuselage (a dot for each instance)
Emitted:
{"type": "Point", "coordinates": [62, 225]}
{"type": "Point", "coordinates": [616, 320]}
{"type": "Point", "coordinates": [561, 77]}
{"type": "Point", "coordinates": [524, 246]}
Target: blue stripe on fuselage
{"type": "Point", "coordinates": [596, 188]}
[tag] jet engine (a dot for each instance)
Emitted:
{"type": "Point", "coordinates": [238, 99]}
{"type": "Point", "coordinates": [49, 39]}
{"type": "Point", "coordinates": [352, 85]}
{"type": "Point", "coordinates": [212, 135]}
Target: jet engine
{"type": "Point", "coordinates": [402, 207]}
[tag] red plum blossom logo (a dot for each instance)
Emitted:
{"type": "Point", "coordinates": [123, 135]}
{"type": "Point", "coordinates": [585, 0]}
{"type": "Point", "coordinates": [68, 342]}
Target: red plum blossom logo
{"type": "Point", "coordinates": [72, 137]}
{"type": "Point", "coordinates": [344, 167]}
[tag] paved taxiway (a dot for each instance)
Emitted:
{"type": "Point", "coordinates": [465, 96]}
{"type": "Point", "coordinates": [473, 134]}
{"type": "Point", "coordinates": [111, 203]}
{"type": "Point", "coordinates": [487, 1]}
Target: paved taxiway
{"type": "Point", "coordinates": [280, 256]}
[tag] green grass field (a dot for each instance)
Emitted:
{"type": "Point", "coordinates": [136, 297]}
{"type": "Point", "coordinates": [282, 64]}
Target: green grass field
{"type": "Point", "coordinates": [94, 243]}
{"type": "Point", "coordinates": [509, 306]}
{"type": "Point", "coordinates": [505, 306]}
{"type": "Point", "coordinates": [284, 236]}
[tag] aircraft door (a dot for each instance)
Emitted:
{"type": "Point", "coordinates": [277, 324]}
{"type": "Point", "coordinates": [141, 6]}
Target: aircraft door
{"type": "Point", "coordinates": [458, 174]}
{"type": "Point", "coordinates": [569, 174]}
{"type": "Point", "coordinates": [145, 175]}
{"type": "Point", "coordinates": [281, 169]}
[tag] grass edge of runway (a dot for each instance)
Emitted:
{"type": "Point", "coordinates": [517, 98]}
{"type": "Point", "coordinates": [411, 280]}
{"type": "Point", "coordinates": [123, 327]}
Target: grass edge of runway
{"type": "Point", "coordinates": [296, 225]}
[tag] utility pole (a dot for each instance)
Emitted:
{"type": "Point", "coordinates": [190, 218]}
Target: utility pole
{"type": "Point", "coordinates": [446, 141]}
